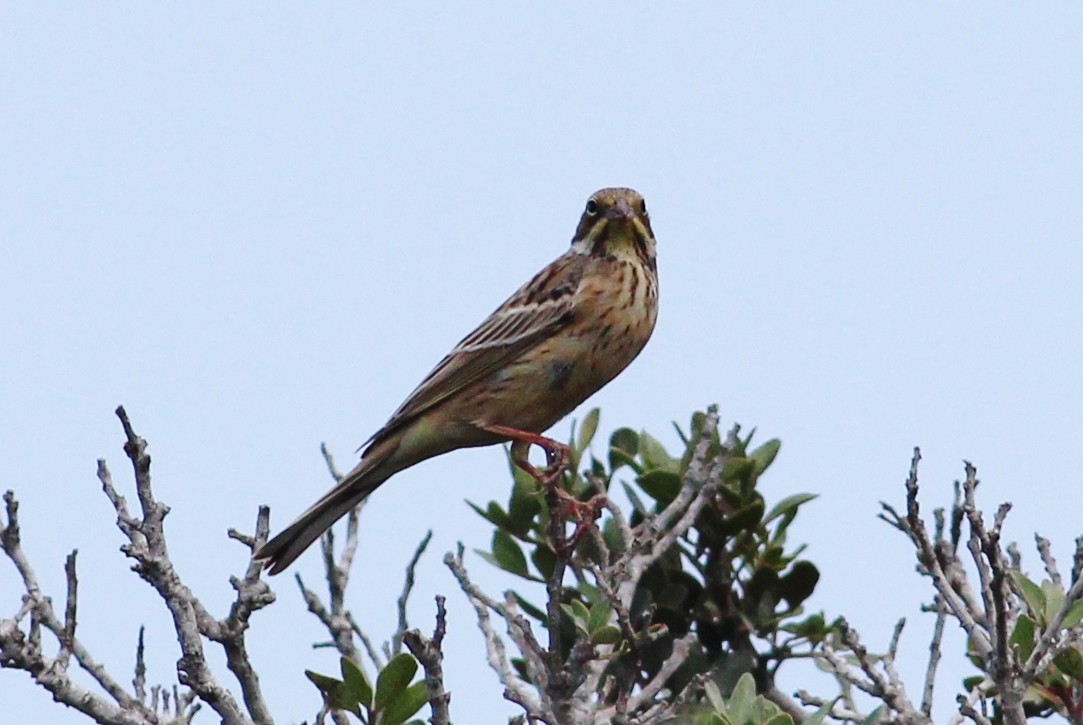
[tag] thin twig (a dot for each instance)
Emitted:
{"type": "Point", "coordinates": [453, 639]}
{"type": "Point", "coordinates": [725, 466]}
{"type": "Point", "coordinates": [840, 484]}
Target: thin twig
{"type": "Point", "coordinates": [407, 587]}
{"type": "Point", "coordinates": [429, 653]}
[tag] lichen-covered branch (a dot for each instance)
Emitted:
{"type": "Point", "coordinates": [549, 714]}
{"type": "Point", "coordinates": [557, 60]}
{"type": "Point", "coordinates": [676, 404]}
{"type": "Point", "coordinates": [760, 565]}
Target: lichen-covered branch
{"type": "Point", "coordinates": [1012, 661]}
{"type": "Point", "coordinates": [194, 625]}
{"type": "Point", "coordinates": [429, 652]}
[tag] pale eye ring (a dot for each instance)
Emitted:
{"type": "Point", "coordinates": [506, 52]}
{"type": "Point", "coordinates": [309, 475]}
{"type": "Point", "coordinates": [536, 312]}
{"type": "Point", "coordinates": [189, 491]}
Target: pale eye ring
{"type": "Point", "coordinates": [592, 207]}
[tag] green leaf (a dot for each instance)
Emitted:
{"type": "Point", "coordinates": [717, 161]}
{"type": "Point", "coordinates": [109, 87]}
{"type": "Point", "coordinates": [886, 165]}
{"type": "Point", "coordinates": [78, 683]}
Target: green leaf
{"type": "Point", "coordinates": [357, 687]}
{"type": "Point", "coordinates": [972, 654]}
{"type": "Point", "coordinates": [334, 692]}
{"type": "Point", "coordinates": [1032, 593]}
{"type": "Point", "coordinates": [487, 557]}
{"type": "Point", "coordinates": [788, 504]}
{"type": "Point", "coordinates": [737, 469]}
{"type": "Point", "coordinates": [587, 430]}
{"type": "Point", "coordinates": [1023, 636]}
{"type": "Point", "coordinates": [623, 447]}
{"type": "Point", "coordinates": [324, 683]}
{"type": "Point", "coordinates": [599, 615]}
{"type": "Point", "coordinates": [637, 505]}
{"type": "Point", "coordinates": [762, 595]}
{"type": "Point", "coordinates": [655, 453]}
{"type": "Point", "coordinates": [820, 716]}
{"type": "Point", "coordinates": [544, 559]}
{"type": "Point", "coordinates": [591, 593]}
{"type": "Point", "coordinates": [781, 719]}
{"type": "Point", "coordinates": [744, 518]}
{"type": "Point", "coordinates": [494, 514]}
{"type": "Point", "coordinates": [606, 635]}
{"type": "Point", "coordinates": [681, 434]}
{"type": "Point", "coordinates": [798, 584]}
{"type": "Point", "coordinates": [579, 611]}
{"type": "Point", "coordinates": [1075, 614]}
{"type": "Point", "coordinates": [1054, 599]}
{"type": "Point", "coordinates": [742, 700]}
{"type": "Point", "coordinates": [969, 683]}
{"type": "Point", "coordinates": [393, 679]}
{"type": "Point", "coordinates": [812, 628]}
{"type": "Point", "coordinates": [571, 614]}
{"type": "Point", "coordinates": [662, 486]}
{"type": "Point", "coordinates": [508, 555]}
{"type": "Point", "coordinates": [1070, 662]}
{"type": "Point", "coordinates": [613, 537]}
{"type": "Point", "coordinates": [765, 454]}
{"type": "Point", "coordinates": [601, 476]}
{"type": "Point", "coordinates": [529, 608]}
{"type": "Point", "coordinates": [714, 696]}
{"type": "Point", "coordinates": [406, 704]}
{"type": "Point", "coordinates": [524, 504]}
{"type": "Point", "coordinates": [874, 716]}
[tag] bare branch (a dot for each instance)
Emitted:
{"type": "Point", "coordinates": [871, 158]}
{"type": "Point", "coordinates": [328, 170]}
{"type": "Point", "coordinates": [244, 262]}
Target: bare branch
{"type": "Point", "coordinates": [24, 652]}
{"type": "Point", "coordinates": [338, 624]}
{"type": "Point", "coordinates": [516, 689]}
{"type": "Point", "coordinates": [139, 682]}
{"type": "Point", "coordinates": [1047, 559]}
{"type": "Point", "coordinates": [407, 587]}
{"type": "Point", "coordinates": [429, 653]}
{"type": "Point", "coordinates": [682, 648]}
{"type": "Point", "coordinates": [934, 657]}
{"type": "Point", "coordinates": [148, 549]}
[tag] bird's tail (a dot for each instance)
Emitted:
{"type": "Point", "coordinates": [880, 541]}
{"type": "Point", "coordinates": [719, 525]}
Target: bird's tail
{"type": "Point", "coordinates": [355, 486]}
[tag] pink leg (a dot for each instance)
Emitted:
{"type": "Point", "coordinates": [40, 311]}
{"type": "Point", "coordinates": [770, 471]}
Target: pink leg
{"type": "Point", "coordinates": [557, 455]}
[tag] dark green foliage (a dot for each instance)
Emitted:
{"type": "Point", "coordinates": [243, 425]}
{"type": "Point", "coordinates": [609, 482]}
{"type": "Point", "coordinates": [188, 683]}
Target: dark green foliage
{"type": "Point", "coordinates": [731, 579]}
{"type": "Point", "coordinates": [394, 700]}
{"type": "Point", "coordinates": [1059, 687]}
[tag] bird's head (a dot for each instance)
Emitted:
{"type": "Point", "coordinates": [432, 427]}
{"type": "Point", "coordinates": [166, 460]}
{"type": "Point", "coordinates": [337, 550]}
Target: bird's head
{"type": "Point", "coordinates": [615, 223]}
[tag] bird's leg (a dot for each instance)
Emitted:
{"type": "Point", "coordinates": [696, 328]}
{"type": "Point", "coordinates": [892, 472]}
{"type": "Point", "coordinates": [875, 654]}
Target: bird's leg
{"type": "Point", "coordinates": [584, 513]}
{"type": "Point", "coordinates": [557, 455]}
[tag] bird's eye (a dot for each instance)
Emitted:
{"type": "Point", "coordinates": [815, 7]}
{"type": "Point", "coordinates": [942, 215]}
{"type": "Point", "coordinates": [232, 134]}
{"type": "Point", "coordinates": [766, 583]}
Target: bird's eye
{"type": "Point", "coordinates": [592, 207]}
{"type": "Point", "coordinates": [643, 206]}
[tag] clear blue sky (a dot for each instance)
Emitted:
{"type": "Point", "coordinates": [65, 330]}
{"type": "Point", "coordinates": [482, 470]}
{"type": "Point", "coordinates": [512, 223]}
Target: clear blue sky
{"type": "Point", "coordinates": [258, 226]}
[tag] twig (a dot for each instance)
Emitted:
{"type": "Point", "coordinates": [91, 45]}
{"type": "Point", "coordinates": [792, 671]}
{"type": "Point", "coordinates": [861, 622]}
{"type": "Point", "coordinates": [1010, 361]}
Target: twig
{"type": "Point", "coordinates": [557, 684]}
{"type": "Point", "coordinates": [682, 648]}
{"type": "Point", "coordinates": [253, 594]}
{"type": "Point", "coordinates": [885, 686]}
{"type": "Point", "coordinates": [1048, 561]}
{"type": "Point", "coordinates": [407, 587]}
{"type": "Point", "coordinates": [67, 636]}
{"type": "Point", "coordinates": [934, 657]}
{"type": "Point", "coordinates": [429, 653]}
{"type": "Point", "coordinates": [139, 681]}
{"type": "Point", "coordinates": [338, 624]}
{"type": "Point", "coordinates": [148, 549]}
{"type": "Point", "coordinates": [516, 689]}
{"type": "Point", "coordinates": [19, 650]}
{"type": "Point", "coordinates": [370, 648]}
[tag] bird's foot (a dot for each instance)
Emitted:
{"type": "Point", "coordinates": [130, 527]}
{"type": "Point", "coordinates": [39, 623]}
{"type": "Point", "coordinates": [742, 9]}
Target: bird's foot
{"type": "Point", "coordinates": [557, 455]}
{"type": "Point", "coordinates": [557, 458]}
{"type": "Point", "coordinates": [582, 513]}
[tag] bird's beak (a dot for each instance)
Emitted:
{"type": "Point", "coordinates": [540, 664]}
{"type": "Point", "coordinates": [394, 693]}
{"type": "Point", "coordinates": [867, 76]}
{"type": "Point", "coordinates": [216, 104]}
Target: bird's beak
{"type": "Point", "coordinates": [620, 211]}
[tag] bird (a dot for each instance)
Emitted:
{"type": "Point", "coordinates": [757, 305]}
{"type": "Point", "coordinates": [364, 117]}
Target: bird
{"type": "Point", "coordinates": [556, 341]}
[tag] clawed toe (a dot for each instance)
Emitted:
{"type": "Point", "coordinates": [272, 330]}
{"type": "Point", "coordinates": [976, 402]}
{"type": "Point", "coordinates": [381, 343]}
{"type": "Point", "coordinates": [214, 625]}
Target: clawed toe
{"type": "Point", "coordinates": [557, 459]}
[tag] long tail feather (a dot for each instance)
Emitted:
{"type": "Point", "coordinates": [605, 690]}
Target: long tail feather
{"type": "Point", "coordinates": [282, 550]}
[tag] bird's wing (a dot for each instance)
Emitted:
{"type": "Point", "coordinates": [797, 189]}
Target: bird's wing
{"type": "Point", "coordinates": [537, 310]}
